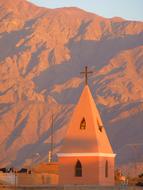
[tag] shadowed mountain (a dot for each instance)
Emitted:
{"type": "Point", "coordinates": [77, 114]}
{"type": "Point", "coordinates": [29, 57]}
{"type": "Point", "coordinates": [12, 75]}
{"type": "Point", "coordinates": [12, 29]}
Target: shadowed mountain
{"type": "Point", "coordinates": [42, 52]}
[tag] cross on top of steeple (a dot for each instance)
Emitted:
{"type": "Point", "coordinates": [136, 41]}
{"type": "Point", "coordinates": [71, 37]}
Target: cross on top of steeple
{"type": "Point", "coordinates": [86, 72]}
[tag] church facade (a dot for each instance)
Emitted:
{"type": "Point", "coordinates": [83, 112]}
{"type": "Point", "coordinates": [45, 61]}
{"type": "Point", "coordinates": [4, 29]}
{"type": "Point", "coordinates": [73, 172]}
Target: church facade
{"type": "Point", "coordinates": [86, 156]}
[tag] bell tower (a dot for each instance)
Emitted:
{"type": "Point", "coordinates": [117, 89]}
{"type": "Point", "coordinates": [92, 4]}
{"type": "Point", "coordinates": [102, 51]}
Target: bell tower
{"type": "Point", "coordinates": [86, 156]}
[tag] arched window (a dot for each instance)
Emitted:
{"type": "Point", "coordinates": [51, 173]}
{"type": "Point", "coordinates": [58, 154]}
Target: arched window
{"type": "Point", "coordinates": [106, 168]}
{"type": "Point", "coordinates": [83, 124]}
{"type": "Point", "coordinates": [78, 169]}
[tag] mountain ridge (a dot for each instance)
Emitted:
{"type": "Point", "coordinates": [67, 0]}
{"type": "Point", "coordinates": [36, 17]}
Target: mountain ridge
{"type": "Point", "coordinates": [41, 56]}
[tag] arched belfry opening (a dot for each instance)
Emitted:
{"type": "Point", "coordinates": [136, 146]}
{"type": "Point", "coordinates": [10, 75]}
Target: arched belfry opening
{"type": "Point", "coordinates": [78, 169]}
{"type": "Point", "coordinates": [83, 124]}
{"type": "Point", "coordinates": [100, 127]}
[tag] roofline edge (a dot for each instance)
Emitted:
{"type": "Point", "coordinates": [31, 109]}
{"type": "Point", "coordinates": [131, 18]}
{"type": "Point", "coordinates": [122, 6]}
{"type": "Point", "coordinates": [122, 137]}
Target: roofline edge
{"type": "Point", "coordinates": [86, 154]}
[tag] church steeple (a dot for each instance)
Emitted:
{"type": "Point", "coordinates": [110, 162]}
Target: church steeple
{"type": "Point", "coordinates": [86, 156]}
{"type": "Point", "coordinates": [85, 132]}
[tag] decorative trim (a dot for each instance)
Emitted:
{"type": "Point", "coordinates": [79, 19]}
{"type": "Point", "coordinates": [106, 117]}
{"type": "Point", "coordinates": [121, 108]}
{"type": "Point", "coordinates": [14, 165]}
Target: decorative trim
{"type": "Point", "coordinates": [86, 154]}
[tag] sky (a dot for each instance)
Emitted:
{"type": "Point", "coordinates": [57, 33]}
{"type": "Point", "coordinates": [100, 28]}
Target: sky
{"type": "Point", "coordinates": [128, 9]}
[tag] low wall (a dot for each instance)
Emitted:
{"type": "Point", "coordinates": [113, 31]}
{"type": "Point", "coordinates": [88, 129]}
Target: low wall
{"type": "Point", "coordinates": [28, 179]}
{"type": "Point", "coordinates": [7, 178]}
{"type": "Point", "coordinates": [37, 179]}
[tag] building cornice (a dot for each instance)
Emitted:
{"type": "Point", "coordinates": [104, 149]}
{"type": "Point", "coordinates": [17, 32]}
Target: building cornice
{"type": "Point", "coordinates": [86, 154]}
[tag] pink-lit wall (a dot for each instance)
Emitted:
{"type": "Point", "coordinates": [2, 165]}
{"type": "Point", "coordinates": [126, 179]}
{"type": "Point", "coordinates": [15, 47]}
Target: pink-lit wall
{"type": "Point", "coordinates": [106, 181]}
{"type": "Point", "coordinates": [93, 171]}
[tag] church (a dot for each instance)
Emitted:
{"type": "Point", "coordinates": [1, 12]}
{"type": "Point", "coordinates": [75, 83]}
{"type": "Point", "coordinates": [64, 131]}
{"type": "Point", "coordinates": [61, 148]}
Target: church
{"type": "Point", "coordinates": [86, 156]}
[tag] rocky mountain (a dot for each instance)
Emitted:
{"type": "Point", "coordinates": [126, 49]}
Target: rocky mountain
{"type": "Point", "coordinates": [42, 52]}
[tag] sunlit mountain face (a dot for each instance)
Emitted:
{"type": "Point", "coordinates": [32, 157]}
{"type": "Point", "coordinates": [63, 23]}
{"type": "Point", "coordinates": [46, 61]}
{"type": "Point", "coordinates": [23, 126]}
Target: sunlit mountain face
{"type": "Point", "coordinates": [42, 52]}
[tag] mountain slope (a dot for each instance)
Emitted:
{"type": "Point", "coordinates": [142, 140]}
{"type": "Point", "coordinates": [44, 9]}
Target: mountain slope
{"type": "Point", "coordinates": [42, 52]}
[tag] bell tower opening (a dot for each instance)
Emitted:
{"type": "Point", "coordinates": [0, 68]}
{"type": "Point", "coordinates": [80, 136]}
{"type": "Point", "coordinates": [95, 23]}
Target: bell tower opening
{"type": "Point", "coordinates": [83, 124]}
{"type": "Point", "coordinates": [99, 126]}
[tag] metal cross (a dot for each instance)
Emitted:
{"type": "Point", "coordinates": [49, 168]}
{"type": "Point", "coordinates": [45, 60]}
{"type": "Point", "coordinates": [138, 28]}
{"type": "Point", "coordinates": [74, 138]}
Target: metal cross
{"type": "Point", "coordinates": [86, 72]}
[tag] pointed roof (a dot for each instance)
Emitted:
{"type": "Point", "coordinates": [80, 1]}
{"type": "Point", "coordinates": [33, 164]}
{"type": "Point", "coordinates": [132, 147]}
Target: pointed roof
{"type": "Point", "coordinates": [85, 132]}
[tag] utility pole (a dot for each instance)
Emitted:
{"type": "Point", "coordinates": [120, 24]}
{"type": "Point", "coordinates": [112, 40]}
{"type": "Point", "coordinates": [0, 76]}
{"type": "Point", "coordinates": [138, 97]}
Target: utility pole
{"type": "Point", "coordinates": [135, 157]}
{"type": "Point", "coordinates": [50, 155]}
{"type": "Point", "coordinates": [15, 172]}
{"type": "Point", "coordinates": [52, 138]}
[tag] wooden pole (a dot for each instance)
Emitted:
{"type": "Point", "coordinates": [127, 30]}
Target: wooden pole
{"type": "Point", "coordinates": [52, 138]}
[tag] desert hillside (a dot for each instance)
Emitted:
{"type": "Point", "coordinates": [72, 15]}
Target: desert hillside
{"type": "Point", "coordinates": [42, 52]}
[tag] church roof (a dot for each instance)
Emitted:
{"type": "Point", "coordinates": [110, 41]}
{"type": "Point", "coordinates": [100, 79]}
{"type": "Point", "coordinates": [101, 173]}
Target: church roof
{"type": "Point", "coordinates": [85, 132]}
